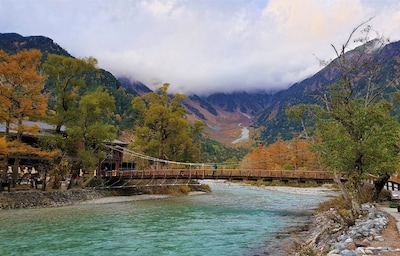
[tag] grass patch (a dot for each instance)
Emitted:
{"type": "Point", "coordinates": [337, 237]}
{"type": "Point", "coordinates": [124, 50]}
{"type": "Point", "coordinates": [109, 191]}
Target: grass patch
{"type": "Point", "coordinates": [336, 202]}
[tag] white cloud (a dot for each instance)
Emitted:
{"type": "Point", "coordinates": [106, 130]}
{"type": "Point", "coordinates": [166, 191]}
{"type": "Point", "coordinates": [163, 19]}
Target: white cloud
{"type": "Point", "coordinates": [201, 46]}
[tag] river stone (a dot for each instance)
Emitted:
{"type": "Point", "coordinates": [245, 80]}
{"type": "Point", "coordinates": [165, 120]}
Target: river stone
{"type": "Point", "coordinates": [368, 252]}
{"type": "Point", "coordinates": [339, 247]}
{"type": "Point", "coordinates": [379, 238]}
{"type": "Point", "coordinates": [347, 253]}
{"type": "Point", "coordinates": [360, 251]}
{"type": "Point", "coordinates": [334, 252]}
{"type": "Point", "coordinates": [348, 240]}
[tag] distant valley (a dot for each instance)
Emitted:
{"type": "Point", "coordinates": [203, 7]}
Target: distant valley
{"type": "Point", "coordinates": [225, 114]}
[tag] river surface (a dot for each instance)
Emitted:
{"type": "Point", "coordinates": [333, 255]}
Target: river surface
{"type": "Point", "coordinates": [232, 220]}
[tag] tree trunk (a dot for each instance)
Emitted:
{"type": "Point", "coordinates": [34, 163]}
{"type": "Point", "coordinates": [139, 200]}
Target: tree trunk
{"type": "Point", "coordinates": [345, 193]}
{"type": "Point", "coordinates": [379, 184]}
{"type": "Point", "coordinates": [355, 205]}
{"type": "Point", "coordinates": [15, 171]}
{"type": "Point", "coordinates": [58, 128]}
{"type": "Point", "coordinates": [44, 180]}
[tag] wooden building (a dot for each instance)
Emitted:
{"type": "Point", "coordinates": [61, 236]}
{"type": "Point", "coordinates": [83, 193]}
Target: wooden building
{"type": "Point", "coordinates": [112, 160]}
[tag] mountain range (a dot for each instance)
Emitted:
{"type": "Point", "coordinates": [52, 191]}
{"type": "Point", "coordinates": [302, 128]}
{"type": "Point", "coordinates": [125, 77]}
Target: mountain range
{"type": "Point", "coordinates": [226, 115]}
{"type": "Point", "coordinates": [272, 120]}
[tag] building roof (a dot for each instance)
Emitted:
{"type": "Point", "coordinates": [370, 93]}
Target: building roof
{"type": "Point", "coordinates": [43, 127]}
{"type": "Point", "coordinates": [119, 142]}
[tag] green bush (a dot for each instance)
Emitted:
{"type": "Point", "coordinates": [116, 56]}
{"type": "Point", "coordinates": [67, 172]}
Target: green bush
{"type": "Point", "coordinates": [385, 195]}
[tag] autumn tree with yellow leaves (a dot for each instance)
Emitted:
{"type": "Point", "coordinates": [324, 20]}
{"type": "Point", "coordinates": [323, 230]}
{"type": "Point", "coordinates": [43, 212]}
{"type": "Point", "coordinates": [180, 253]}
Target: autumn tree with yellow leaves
{"type": "Point", "coordinates": [21, 100]}
{"type": "Point", "coordinates": [282, 155]}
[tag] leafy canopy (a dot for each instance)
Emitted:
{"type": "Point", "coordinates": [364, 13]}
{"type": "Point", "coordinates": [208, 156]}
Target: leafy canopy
{"type": "Point", "coordinates": [68, 78]}
{"type": "Point", "coordinates": [162, 130]}
{"type": "Point", "coordinates": [88, 130]}
{"type": "Point", "coordinates": [21, 100]}
{"type": "Point", "coordinates": [357, 134]}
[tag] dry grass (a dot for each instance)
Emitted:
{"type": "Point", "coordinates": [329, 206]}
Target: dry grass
{"type": "Point", "coordinates": [308, 184]}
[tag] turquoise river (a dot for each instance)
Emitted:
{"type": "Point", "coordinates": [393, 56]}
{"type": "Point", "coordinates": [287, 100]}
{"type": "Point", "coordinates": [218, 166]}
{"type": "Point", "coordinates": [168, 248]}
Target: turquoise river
{"type": "Point", "coordinates": [232, 220]}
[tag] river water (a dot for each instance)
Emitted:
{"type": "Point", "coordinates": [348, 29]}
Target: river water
{"type": "Point", "coordinates": [232, 220]}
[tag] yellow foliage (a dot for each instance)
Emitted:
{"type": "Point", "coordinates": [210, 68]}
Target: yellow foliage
{"type": "Point", "coordinates": [282, 155]}
{"type": "Point", "coordinates": [21, 90]}
{"type": "Point", "coordinates": [16, 147]}
{"type": "Point", "coordinates": [3, 146]}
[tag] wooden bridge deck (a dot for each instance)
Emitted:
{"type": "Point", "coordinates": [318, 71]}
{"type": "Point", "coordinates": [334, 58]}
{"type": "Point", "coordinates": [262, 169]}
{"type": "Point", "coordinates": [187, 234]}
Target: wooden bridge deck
{"type": "Point", "coordinates": [228, 174]}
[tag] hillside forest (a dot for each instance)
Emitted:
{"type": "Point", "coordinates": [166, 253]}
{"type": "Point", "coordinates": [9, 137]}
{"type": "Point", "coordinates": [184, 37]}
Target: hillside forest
{"type": "Point", "coordinates": [58, 91]}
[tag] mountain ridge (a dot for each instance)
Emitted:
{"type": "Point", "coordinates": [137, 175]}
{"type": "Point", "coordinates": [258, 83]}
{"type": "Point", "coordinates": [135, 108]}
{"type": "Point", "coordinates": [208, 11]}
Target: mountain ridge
{"type": "Point", "coordinates": [225, 114]}
{"type": "Point", "coordinates": [273, 121]}
{"type": "Point", "coordinates": [13, 43]}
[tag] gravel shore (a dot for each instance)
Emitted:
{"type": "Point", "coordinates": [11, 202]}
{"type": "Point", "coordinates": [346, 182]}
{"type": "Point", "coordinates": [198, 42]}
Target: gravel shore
{"type": "Point", "coordinates": [325, 190]}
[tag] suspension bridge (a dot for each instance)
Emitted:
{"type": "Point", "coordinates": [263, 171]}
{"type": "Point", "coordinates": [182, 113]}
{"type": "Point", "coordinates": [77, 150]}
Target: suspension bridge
{"type": "Point", "coordinates": [124, 168]}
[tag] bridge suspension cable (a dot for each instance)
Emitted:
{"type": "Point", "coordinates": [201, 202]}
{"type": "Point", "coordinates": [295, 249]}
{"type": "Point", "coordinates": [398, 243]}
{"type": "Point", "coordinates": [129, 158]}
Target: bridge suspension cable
{"type": "Point", "coordinates": [159, 160]}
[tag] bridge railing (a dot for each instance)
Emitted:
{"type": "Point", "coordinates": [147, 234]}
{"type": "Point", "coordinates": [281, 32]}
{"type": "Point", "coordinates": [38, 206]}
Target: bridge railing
{"type": "Point", "coordinates": [223, 174]}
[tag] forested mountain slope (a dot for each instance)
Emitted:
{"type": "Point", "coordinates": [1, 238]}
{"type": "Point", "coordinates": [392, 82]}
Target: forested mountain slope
{"type": "Point", "coordinates": [13, 42]}
{"type": "Point", "coordinates": [225, 114]}
{"type": "Point", "coordinates": [273, 121]}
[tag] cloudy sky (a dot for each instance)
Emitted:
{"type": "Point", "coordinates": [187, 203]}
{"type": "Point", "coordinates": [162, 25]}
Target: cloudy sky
{"type": "Point", "coordinates": [202, 46]}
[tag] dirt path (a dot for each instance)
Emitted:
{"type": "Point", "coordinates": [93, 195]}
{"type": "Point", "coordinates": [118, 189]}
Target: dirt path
{"type": "Point", "coordinates": [391, 236]}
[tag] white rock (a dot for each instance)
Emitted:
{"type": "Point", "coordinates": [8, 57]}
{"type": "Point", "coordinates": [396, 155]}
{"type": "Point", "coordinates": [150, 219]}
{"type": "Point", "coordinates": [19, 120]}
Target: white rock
{"type": "Point", "coordinates": [368, 252]}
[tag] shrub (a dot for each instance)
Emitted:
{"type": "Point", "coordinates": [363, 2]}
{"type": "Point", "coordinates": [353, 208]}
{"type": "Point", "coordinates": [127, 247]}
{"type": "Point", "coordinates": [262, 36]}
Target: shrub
{"type": "Point", "coordinates": [385, 195]}
{"type": "Point", "coordinates": [300, 249]}
{"type": "Point", "coordinates": [337, 202]}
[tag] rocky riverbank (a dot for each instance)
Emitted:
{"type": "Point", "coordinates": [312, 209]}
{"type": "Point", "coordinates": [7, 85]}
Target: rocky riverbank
{"type": "Point", "coordinates": [37, 198]}
{"type": "Point", "coordinates": [33, 198]}
{"type": "Point", "coordinates": [331, 235]}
